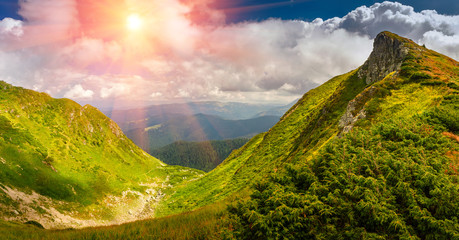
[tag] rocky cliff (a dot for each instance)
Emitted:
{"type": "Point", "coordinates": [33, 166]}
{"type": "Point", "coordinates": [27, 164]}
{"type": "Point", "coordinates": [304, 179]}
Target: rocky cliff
{"type": "Point", "coordinates": [387, 56]}
{"type": "Point", "coordinates": [389, 51]}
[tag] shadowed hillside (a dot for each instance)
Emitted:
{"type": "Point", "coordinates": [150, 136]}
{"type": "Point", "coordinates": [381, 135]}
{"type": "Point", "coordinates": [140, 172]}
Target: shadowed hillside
{"type": "Point", "coordinates": [200, 155]}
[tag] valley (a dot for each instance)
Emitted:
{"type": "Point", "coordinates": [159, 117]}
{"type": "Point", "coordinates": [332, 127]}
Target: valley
{"type": "Point", "coordinates": [372, 153]}
{"type": "Point", "coordinates": [199, 155]}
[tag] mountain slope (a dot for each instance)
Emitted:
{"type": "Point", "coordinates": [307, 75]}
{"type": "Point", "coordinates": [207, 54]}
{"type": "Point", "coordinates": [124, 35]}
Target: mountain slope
{"type": "Point", "coordinates": [199, 127]}
{"type": "Point", "coordinates": [351, 160]}
{"type": "Point", "coordinates": [199, 155]}
{"type": "Point", "coordinates": [308, 121]}
{"type": "Point", "coordinates": [65, 165]}
{"type": "Point", "coordinates": [400, 80]}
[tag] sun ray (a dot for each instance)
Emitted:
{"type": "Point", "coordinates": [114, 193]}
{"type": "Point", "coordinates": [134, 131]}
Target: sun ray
{"type": "Point", "coordinates": [256, 7]}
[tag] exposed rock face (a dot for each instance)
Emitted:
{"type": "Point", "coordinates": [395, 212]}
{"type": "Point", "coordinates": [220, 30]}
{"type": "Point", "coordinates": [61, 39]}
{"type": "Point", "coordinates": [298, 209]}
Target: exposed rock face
{"type": "Point", "coordinates": [351, 115]}
{"type": "Point", "coordinates": [387, 56]}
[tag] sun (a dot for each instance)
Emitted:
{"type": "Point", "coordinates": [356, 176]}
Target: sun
{"type": "Point", "coordinates": [134, 22]}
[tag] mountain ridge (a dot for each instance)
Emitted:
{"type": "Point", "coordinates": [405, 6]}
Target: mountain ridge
{"type": "Point", "coordinates": [327, 112]}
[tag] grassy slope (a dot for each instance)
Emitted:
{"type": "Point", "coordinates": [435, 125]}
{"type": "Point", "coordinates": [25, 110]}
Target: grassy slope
{"type": "Point", "coordinates": [313, 121]}
{"type": "Point", "coordinates": [267, 152]}
{"type": "Point", "coordinates": [70, 153]}
{"type": "Point", "coordinates": [207, 223]}
{"type": "Point", "coordinates": [395, 176]}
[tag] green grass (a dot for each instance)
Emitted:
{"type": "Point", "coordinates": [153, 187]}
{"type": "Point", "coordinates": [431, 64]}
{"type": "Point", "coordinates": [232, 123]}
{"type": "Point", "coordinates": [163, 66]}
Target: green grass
{"type": "Point", "coordinates": [75, 154]}
{"type": "Point", "coordinates": [209, 222]}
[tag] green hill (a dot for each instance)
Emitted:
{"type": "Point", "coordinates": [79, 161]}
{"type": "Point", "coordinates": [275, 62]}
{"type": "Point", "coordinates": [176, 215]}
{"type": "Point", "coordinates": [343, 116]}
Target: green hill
{"type": "Point", "coordinates": [64, 165]}
{"type": "Point", "coordinates": [200, 155]}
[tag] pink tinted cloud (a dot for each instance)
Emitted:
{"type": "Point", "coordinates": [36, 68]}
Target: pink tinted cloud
{"type": "Point", "coordinates": [48, 21]}
{"type": "Point", "coordinates": [187, 52]}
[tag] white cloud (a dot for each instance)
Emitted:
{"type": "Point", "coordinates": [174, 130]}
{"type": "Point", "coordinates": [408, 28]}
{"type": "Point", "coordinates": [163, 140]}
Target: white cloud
{"type": "Point", "coordinates": [442, 43]}
{"type": "Point", "coordinates": [78, 92]}
{"type": "Point", "coordinates": [156, 95]}
{"type": "Point", "coordinates": [422, 27]}
{"type": "Point", "coordinates": [62, 43]}
{"type": "Point", "coordinates": [264, 56]}
{"type": "Point", "coordinates": [9, 26]}
{"type": "Point", "coordinates": [124, 87]}
{"type": "Point", "coordinates": [113, 91]}
{"type": "Point", "coordinates": [87, 51]}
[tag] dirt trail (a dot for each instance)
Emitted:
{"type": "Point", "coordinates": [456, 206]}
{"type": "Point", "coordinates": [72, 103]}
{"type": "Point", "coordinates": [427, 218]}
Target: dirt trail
{"type": "Point", "coordinates": [129, 206]}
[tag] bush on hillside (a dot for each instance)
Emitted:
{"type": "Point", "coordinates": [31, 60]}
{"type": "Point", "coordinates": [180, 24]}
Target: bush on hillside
{"type": "Point", "coordinates": [391, 182]}
{"type": "Point", "coordinates": [446, 115]}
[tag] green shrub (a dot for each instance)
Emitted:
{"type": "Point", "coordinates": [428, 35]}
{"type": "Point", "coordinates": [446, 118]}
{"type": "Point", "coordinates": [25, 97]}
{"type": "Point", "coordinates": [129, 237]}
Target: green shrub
{"type": "Point", "coordinates": [433, 83]}
{"type": "Point", "coordinates": [447, 114]}
{"type": "Point", "coordinates": [418, 76]}
{"type": "Point", "coordinates": [390, 182]}
{"type": "Point", "coordinates": [446, 117]}
{"type": "Point", "coordinates": [407, 70]}
{"type": "Point", "coordinates": [453, 85]}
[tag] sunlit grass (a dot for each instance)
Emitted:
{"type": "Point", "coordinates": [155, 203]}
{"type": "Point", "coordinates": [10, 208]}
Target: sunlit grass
{"type": "Point", "coordinates": [206, 223]}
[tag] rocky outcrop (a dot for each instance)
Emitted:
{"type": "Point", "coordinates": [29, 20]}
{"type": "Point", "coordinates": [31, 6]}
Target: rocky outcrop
{"type": "Point", "coordinates": [388, 53]}
{"type": "Point", "coordinates": [355, 110]}
{"type": "Point", "coordinates": [348, 120]}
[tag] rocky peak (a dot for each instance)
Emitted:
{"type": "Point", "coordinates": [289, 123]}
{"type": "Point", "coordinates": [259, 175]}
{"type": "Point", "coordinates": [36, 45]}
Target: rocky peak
{"type": "Point", "coordinates": [389, 50]}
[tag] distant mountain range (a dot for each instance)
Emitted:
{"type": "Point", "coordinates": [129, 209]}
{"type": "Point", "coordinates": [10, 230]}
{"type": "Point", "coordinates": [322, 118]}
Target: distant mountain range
{"type": "Point", "coordinates": [156, 114]}
{"type": "Point", "coordinates": [159, 125]}
{"type": "Point", "coordinates": [196, 128]}
{"type": "Point", "coordinates": [224, 110]}
{"type": "Point", "coordinates": [276, 111]}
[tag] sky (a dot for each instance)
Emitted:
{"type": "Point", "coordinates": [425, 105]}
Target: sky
{"type": "Point", "coordinates": [118, 53]}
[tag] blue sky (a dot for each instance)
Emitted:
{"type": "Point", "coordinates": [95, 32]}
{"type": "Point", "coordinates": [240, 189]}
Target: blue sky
{"type": "Point", "coordinates": [8, 8]}
{"type": "Point", "coordinates": [311, 9]}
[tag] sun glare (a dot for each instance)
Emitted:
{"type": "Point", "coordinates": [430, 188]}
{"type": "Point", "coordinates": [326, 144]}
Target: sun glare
{"type": "Point", "coordinates": [134, 22]}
